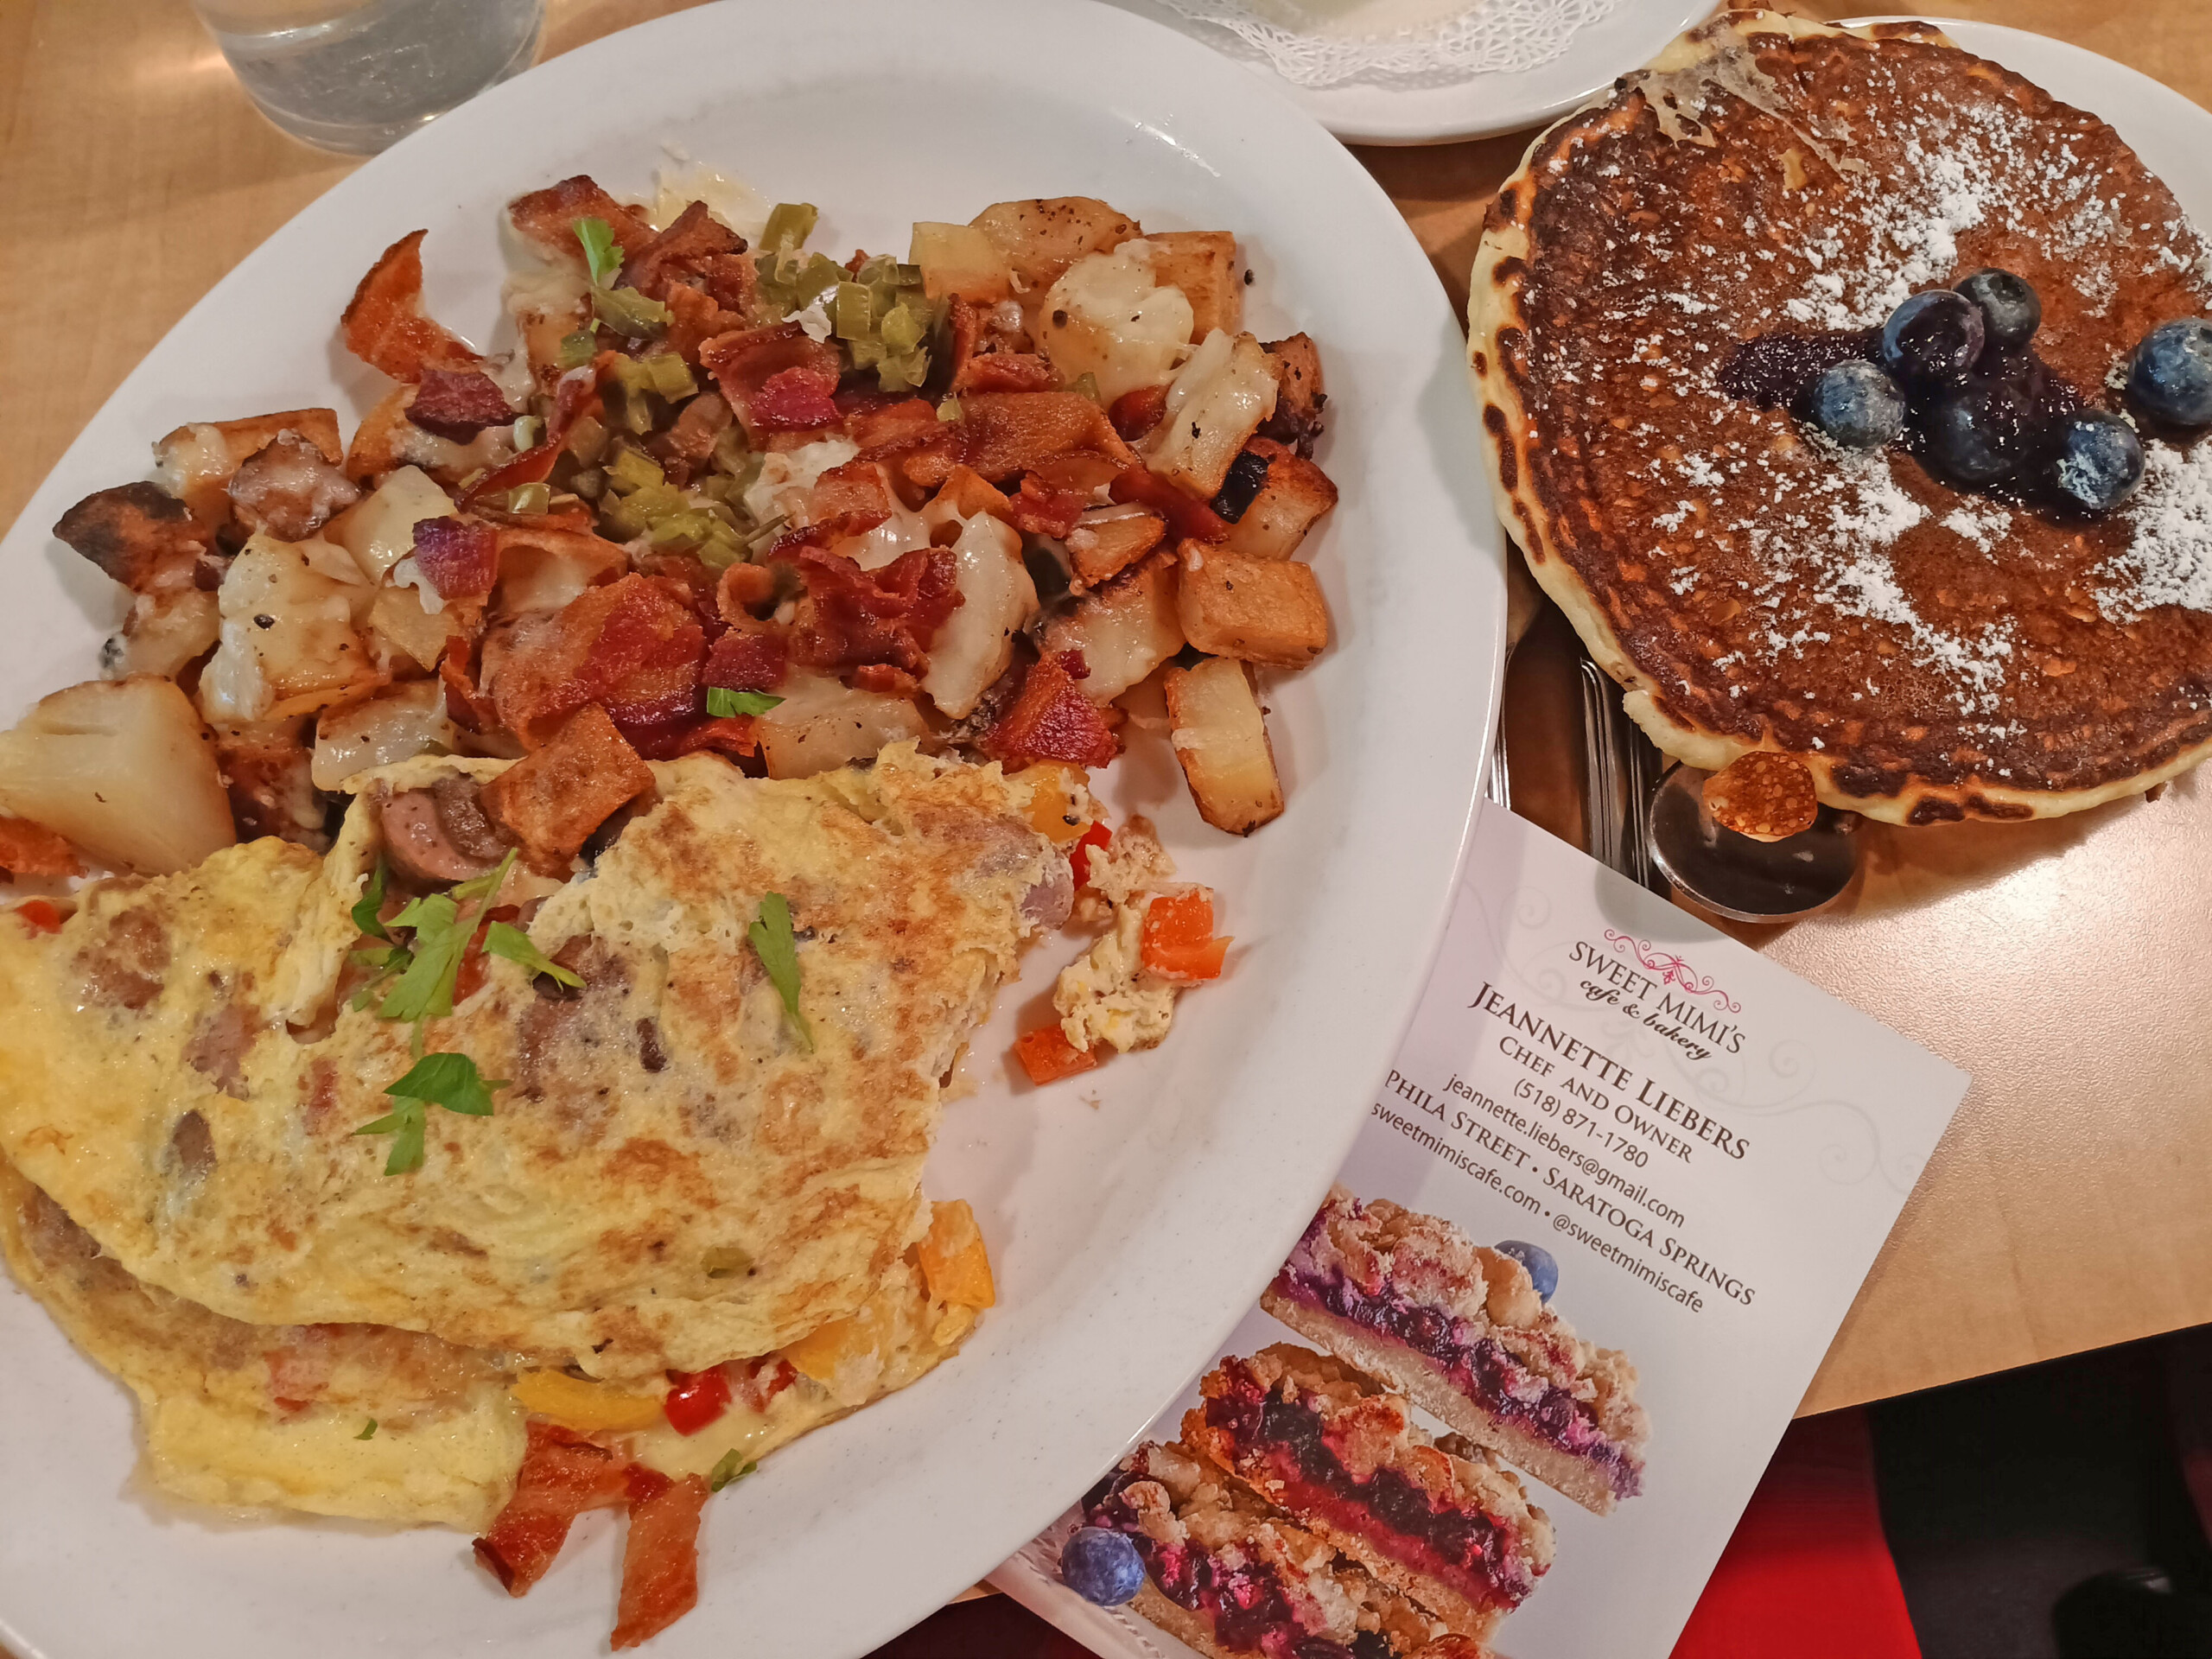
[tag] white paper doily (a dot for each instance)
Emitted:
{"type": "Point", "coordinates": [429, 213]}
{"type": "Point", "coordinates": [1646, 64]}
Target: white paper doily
{"type": "Point", "coordinates": [1324, 42]}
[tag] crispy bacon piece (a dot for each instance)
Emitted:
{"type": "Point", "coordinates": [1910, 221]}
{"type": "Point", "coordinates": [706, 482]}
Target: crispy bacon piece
{"type": "Point", "coordinates": [576, 393]}
{"type": "Point", "coordinates": [1051, 720]}
{"type": "Point", "coordinates": [695, 319]}
{"type": "Point", "coordinates": [144, 539]}
{"type": "Point", "coordinates": [737, 734]}
{"type": "Point", "coordinates": [458, 405]}
{"type": "Point", "coordinates": [744, 661]}
{"type": "Point", "coordinates": [1189, 519]}
{"type": "Point", "coordinates": [1136, 413]}
{"type": "Point", "coordinates": [681, 251]}
{"type": "Point", "coordinates": [384, 322]}
{"type": "Point", "coordinates": [660, 1558]}
{"type": "Point", "coordinates": [28, 849]}
{"type": "Point", "coordinates": [563, 1475]}
{"type": "Point", "coordinates": [1036, 511]}
{"type": "Point", "coordinates": [468, 708]}
{"type": "Point", "coordinates": [851, 616]}
{"type": "Point", "coordinates": [856, 486]}
{"type": "Point", "coordinates": [733, 283]}
{"type": "Point", "coordinates": [459, 558]}
{"type": "Point", "coordinates": [634, 645]}
{"type": "Point", "coordinates": [744, 589]}
{"type": "Point", "coordinates": [796, 400]}
{"type": "Point", "coordinates": [776, 379]}
{"type": "Point", "coordinates": [891, 427]}
{"type": "Point", "coordinates": [552, 799]}
{"type": "Point", "coordinates": [290, 488]}
{"type": "Point", "coordinates": [1003, 371]}
{"type": "Point", "coordinates": [547, 218]}
{"type": "Point", "coordinates": [1002, 433]}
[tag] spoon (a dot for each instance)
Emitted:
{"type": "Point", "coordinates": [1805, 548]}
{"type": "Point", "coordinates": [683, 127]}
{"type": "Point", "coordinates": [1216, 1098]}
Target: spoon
{"type": "Point", "coordinates": [1739, 877]}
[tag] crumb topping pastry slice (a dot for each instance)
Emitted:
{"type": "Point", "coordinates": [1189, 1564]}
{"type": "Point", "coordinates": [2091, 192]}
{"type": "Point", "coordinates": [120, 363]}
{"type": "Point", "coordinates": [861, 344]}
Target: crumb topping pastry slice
{"type": "Point", "coordinates": [1229, 1577]}
{"type": "Point", "coordinates": [1344, 1460]}
{"type": "Point", "coordinates": [1459, 1329]}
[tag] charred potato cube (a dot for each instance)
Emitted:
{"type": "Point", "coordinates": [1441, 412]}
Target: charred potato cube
{"type": "Point", "coordinates": [1216, 403]}
{"type": "Point", "coordinates": [1220, 736]}
{"type": "Point", "coordinates": [1124, 630]}
{"type": "Point", "coordinates": [1299, 397]}
{"type": "Point", "coordinates": [1107, 541]}
{"type": "Point", "coordinates": [1202, 264]}
{"type": "Point", "coordinates": [959, 262]}
{"type": "Point", "coordinates": [1258, 610]}
{"type": "Point", "coordinates": [1294, 493]}
{"type": "Point", "coordinates": [1041, 238]}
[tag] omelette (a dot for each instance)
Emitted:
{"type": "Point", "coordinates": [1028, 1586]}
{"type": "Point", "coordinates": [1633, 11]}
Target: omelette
{"type": "Point", "coordinates": [678, 1171]}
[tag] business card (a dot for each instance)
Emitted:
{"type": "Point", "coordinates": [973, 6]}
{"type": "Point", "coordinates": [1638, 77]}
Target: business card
{"type": "Point", "coordinates": [1705, 1152]}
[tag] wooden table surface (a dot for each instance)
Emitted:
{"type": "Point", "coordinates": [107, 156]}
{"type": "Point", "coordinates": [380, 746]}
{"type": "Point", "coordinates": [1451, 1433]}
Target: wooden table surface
{"type": "Point", "coordinates": [2065, 1210]}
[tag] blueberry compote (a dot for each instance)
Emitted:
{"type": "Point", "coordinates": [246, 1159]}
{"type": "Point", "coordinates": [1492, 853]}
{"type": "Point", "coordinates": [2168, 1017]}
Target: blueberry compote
{"type": "Point", "coordinates": [1478, 1365]}
{"type": "Point", "coordinates": [1245, 1603]}
{"type": "Point", "coordinates": [1463, 1548]}
{"type": "Point", "coordinates": [1982, 411]}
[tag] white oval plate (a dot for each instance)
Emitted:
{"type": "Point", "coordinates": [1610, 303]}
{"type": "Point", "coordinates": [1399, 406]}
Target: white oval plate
{"type": "Point", "coordinates": [1130, 1234]}
{"type": "Point", "coordinates": [1478, 106]}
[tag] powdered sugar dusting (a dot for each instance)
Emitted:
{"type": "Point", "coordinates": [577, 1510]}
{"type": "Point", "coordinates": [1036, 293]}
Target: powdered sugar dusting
{"type": "Point", "coordinates": [2169, 559]}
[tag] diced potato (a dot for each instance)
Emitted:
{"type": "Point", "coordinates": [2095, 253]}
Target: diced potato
{"type": "Point", "coordinates": [1260, 610]}
{"type": "Point", "coordinates": [124, 769]}
{"type": "Point", "coordinates": [378, 529]}
{"type": "Point", "coordinates": [1110, 318]}
{"type": "Point", "coordinates": [196, 462]}
{"type": "Point", "coordinates": [394, 724]}
{"type": "Point", "coordinates": [975, 645]}
{"type": "Point", "coordinates": [268, 769]}
{"type": "Point", "coordinates": [1214, 406]}
{"type": "Point", "coordinates": [386, 439]}
{"type": "Point", "coordinates": [959, 262]}
{"type": "Point", "coordinates": [163, 632]}
{"type": "Point", "coordinates": [1124, 630]}
{"type": "Point", "coordinates": [288, 640]}
{"type": "Point", "coordinates": [1221, 738]}
{"type": "Point", "coordinates": [1107, 541]}
{"type": "Point", "coordinates": [1041, 238]}
{"type": "Point", "coordinates": [1294, 494]}
{"type": "Point", "coordinates": [1202, 264]}
{"type": "Point", "coordinates": [402, 636]}
{"type": "Point", "coordinates": [1299, 394]}
{"type": "Point", "coordinates": [543, 570]}
{"type": "Point", "coordinates": [822, 724]}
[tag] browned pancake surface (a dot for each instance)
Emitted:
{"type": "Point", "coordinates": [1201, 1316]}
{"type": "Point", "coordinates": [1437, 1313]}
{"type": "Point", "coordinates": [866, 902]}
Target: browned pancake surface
{"type": "Point", "coordinates": [1955, 653]}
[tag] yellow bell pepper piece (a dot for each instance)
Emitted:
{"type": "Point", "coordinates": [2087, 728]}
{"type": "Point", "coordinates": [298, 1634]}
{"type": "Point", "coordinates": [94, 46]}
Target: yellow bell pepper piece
{"type": "Point", "coordinates": [819, 1354]}
{"type": "Point", "coordinates": [1061, 792]}
{"type": "Point", "coordinates": [587, 1407]}
{"type": "Point", "coordinates": [953, 1262]}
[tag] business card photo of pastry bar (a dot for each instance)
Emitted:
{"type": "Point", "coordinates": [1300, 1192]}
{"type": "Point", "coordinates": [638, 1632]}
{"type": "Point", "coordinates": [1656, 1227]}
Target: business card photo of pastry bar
{"type": "Point", "coordinates": [1515, 1383]}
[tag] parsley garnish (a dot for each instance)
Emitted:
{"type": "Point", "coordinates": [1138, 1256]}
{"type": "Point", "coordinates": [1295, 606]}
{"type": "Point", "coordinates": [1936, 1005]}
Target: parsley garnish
{"type": "Point", "coordinates": [425, 989]}
{"type": "Point", "coordinates": [502, 940]}
{"type": "Point", "coordinates": [734, 1466]}
{"type": "Point", "coordinates": [371, 901]}
{"type": "Point", "coordinates": [368, 1432]}
{"type": "Point", "coordinates": [771, 942]}
{"type": "Point", "coordinates": [601, 253]}
{"type": "Point", "coordinates": [448, 1080]}
{"type": "Point", "coordinates": [725, 704]}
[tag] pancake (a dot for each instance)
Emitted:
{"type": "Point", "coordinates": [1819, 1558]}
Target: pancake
{"type": "Point", "coordinates": [1927, 654]}
{"type": "Point", "coordinates": [670, 1179]}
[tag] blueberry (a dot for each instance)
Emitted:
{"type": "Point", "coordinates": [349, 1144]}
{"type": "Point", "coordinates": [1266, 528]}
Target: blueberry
{"type": "Point", "coordinates": [2172, 375]}
{"type": "Point", "coordinates": [1542, 1270]}
{"type": "Point", "coordinates": [1932, 340]}
{"type": "Point", "coordinates": [1979, 435]}
{"type": "Point", "coordinates": [1858, 406]}
{"type": "Point", "coordinates": [2096, 460]}
{"type": "Point", "coordinates": [1101, 1565]}
{"type": "Point", "coordinates": [2011, 313]}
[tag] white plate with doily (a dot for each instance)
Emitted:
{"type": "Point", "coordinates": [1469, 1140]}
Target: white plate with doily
{"type": "Point", "coordinates": [1431, 71]}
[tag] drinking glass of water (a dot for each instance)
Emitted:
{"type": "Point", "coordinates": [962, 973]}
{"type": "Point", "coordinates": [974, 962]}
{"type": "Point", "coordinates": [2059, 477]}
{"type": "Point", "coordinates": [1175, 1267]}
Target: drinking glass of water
{"type": "Point", "coordinates": [357, 75]}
